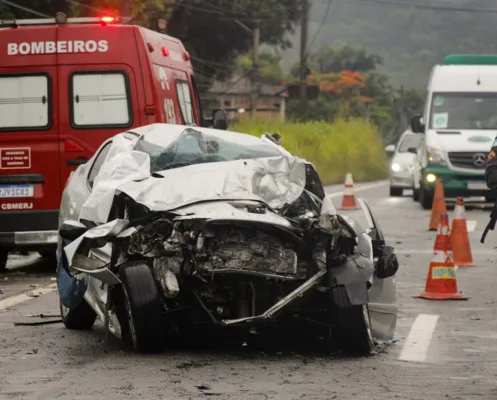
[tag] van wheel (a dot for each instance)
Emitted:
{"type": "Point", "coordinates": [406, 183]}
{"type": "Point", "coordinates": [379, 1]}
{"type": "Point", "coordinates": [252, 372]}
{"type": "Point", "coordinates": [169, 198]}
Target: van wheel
{"type": "Point", "coordinates": [81, 318]}
{"type": "Point", "coordinates": [425, 198]}
{"type": "Point", "coordinates": [48, 255]}
{"type": "Point", "coordinates": [353, 332]}
{"type": "Point", "coordinates": [396, 192]}
{"type": "Point", "coordinates": [4, 255]}
{"type": "Point", "coordinates": [143, 327]}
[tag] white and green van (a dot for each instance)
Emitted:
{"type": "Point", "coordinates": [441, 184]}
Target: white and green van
{"type": "Point", "coordinates": [459, 124]}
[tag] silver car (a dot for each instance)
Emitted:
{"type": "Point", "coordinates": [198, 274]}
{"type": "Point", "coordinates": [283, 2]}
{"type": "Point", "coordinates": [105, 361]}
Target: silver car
{"type": "Point", "coordinates": [403, 158]}
{"type": "Point", "coordinates": [171, 230]}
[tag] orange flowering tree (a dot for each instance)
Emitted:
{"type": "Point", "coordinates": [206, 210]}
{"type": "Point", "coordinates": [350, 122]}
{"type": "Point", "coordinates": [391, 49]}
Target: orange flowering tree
{"type": "Point", "coordinates": [346, 87]}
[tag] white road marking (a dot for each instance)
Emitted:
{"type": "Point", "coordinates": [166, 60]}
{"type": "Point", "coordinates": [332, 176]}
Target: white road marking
{"type": "Point", "coordinates": [474, 252]}
{"type": "Point", "coordinates": [419, 338]}
{"type": "Point", "coordinates": [471, 225]}
{"type": "Point", "coordinates": [21, 298]}
{"type": "Point", "coordinates": [360, 189]}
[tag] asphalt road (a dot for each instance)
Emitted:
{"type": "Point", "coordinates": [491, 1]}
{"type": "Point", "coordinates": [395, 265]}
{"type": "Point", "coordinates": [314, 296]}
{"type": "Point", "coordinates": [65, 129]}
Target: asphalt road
{"type": "Point", "coordinates": [445, 350]}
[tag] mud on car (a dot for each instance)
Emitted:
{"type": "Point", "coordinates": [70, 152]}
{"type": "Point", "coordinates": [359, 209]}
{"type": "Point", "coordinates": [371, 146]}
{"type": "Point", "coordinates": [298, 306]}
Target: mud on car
{"type": "Point", "coordinates": [171, 230]}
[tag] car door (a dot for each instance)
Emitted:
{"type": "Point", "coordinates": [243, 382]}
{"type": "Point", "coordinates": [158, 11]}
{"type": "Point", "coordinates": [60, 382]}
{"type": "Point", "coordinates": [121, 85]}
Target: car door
{"type": "Point", "coordinates": [29, 170]}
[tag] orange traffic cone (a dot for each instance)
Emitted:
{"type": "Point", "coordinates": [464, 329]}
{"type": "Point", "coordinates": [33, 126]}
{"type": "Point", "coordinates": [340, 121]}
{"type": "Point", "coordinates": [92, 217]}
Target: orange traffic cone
{"type": "Point", "coordinates": [438, 206]}
{"type": "Point", "coordinates": [441, 283]}
{"type": "Point", "coordinates": [349, 201]}
{"type": "Point", "coordinates": [459, 238]}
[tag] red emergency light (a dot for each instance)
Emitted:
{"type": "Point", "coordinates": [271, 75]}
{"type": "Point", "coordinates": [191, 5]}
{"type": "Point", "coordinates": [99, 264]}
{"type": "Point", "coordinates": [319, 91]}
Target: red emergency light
{"type": "Point", "coordinates": [165, 51]}
{"type": "Point", "coordinates": [108, 20]}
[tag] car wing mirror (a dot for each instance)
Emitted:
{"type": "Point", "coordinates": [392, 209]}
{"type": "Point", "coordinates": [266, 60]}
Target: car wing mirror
{"type": "Point", "coordinates": [70, 230]}
{"type": "Point", "coordinates": [390, 148]}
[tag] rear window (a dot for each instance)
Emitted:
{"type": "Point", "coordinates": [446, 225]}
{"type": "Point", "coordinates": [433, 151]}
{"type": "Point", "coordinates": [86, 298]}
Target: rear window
{"type": "Point", "coordinates": [100, 100]}
{"type": "Point", "coordinates": [185, 101]}
{"type": "Point", "coordinates": [25, 102]}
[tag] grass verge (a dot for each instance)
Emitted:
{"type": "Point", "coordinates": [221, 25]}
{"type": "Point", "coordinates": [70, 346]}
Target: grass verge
{"type": "Point", "coordinates": [334, 148]}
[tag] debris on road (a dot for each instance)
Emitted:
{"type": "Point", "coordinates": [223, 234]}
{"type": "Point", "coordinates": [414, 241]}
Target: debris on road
{"type": "Point", "coordinates": [41, 316]}
{"type": "Point", "coordinates": [55, 321]}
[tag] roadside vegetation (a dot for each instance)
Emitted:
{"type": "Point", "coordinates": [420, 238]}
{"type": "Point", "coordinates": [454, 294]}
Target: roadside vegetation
{"type": "Point", "coordinates": [334, 148]}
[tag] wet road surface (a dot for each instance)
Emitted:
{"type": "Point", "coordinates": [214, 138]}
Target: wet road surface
{"type": "Point", "coordinates": [445, 350]}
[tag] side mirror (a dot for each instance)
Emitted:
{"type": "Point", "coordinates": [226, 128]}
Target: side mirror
{"type": "Point", "coordinates": [412, 150]}
{"type": "Point", "coordinates": [390, 148]}
{"type": "Point", "coordinates": [220, 119]}
{"type": "Point", "coordinates": [417, 124]}
{"type": "Point", "coordinates": [70, 230]}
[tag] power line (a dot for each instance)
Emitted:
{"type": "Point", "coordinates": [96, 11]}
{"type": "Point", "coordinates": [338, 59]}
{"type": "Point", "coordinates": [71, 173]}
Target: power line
{"type": "Point", "coordinates": [236, 82]}
{"type": "Point", "coordinates": [319, 28]}
{"type": "Point", "coordinates": [427, 6]}
{"type": "Point", "coordinates": [225, 15]}
{"type": "Point", "coordinates": [30, 10]}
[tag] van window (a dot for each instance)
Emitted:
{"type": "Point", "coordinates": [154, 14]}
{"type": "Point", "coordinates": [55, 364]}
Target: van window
{"type": "Point", "coordinates": [24, 102]}
{"type": "Point", "coordinates": [185, 101]}
{"type": "Point", "coordinates": [97, 164]}
{"type": "Point", "coordinates": [100, 100]}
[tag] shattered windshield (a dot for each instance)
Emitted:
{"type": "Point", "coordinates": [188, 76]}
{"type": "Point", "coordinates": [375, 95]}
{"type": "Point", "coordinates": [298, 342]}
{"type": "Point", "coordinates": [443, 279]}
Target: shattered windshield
{"type": "Point", "coordinates": [195, 147]}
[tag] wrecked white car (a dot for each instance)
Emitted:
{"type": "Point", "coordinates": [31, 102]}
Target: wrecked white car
{"type": "Point", "coordinates": [171, 230]}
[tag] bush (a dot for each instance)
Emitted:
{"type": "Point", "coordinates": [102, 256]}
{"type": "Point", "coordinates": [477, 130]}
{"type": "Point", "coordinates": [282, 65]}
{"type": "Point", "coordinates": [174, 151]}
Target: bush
{"type": "Point", "coordinates": [334, 148]}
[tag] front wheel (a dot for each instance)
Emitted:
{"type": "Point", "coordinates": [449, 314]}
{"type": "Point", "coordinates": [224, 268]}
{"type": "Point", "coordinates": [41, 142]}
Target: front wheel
{"type": "Point", "coordinates": [425, 198]}
{"type": "Point", "coordinates": [4, 255]}
{"type": "Point", "coordinates": [142, 323]}
{"type": "Point", "coordinates": [48, 255]}
{"type": "Point", "coordinates": [396, 192]}
{"type": "Point", "coordinates": [353, 330]}
{"type": "Point", "coordinates": [80, 318]}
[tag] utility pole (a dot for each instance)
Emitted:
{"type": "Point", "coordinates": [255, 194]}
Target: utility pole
{"type": "Point", "coordinates": [255, 70]}
{"type": "Point", "coordinates": [304, 25]}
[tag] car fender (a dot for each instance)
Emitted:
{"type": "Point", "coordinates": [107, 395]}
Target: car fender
{"type": "Point", "coordinates": [351, 280]}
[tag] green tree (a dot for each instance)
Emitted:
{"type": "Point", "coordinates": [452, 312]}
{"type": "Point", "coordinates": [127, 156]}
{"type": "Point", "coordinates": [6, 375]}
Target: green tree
{"type": "Point", "coordinates": [216, 32]}
{"type": "Point", "coordinates": [143, 12]}
{"type": "Point", "coordinates": [269, 67]}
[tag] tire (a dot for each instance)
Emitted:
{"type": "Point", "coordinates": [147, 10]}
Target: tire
{"type": "Point", "coordinates": [49, 255]}
{"type": "Point", "coordinates": [396, 192]}
{"type": "Point", "coordinates": [425, 198]}
{"type": "Point", "coordinates": [143, 328]}
{"type": "Point", "coordinates": [490, 199]}
{"type": "Point", "coordinates": [415, 194]}
{"type": "Point", "coordinates": [4, 256]}
{"type": "Point", "coordinates": [81, 318]}
{"type": "Point", "coordinates": [352, 330]}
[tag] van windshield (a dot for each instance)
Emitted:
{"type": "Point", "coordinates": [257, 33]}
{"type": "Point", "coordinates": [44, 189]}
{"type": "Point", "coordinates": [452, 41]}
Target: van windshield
{"type": "Point", "coordinates": [463, 111]}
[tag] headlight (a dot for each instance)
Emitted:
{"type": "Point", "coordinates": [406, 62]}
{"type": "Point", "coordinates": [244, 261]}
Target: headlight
{"type": "Point", "coordinates": [396, 167]}
{"type": "Point", "coordinates": [435, 156]}
{"type": "Point", "coordinates": [431, 178]}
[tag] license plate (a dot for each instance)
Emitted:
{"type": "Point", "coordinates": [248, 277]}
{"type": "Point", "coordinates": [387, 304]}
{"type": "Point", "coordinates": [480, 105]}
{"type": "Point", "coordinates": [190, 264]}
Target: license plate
{"type": "Point", "coordinates": [477, 186]}
{"type": "Point", "coordinates": [16, 191]}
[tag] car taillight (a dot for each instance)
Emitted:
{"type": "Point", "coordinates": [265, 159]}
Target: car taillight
{"type": "Point", "coordinates": [73, 147]}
